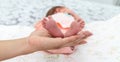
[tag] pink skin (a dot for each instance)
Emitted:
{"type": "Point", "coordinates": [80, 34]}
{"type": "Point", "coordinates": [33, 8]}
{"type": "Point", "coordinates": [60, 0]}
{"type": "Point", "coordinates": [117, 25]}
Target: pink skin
{"type": "Point", "coordinates": [75, 27]}
{"type": "Point", "coordinates": [54, 30]}
{"type": "Point", "coordinates": [52, 27]}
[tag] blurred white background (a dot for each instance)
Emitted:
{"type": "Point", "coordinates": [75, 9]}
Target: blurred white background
{"type": "Point", "coordinates": [28, 12]}
{"type": "Point", "coordinates": [101, 48]}
{"type": "Point", "coordinates": [111, 2]}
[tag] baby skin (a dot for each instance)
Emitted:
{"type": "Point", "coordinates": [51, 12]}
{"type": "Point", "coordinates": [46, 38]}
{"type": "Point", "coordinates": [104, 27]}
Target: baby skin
{"type": "Point", "coordinates": [75, 27]}
{"type": "Point", "coordinates": [52, 27]}
{"type": "Point", "coordinates": [55, 31]}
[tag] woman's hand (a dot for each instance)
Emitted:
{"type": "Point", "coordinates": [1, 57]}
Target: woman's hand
{"type": "Point", "coordinates": [41, 40]}
{"type": "Point", "coordinates": [38, 40]}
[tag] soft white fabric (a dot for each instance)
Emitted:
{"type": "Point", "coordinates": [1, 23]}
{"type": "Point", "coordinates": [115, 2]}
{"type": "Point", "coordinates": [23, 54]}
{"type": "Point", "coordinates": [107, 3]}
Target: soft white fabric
{"type": "Point", "coordinates": [14, 31]}
{"type": "Point", "coordinates": [103, 46]}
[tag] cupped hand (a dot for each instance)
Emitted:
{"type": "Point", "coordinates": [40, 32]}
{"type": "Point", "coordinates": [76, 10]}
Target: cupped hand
{"type": "Point", "coordinates": [41, 40]}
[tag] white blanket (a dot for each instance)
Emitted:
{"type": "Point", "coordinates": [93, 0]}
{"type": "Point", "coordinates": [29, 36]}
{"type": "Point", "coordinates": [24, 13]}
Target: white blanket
{"type": "Point", "coordinates": [103, 46]}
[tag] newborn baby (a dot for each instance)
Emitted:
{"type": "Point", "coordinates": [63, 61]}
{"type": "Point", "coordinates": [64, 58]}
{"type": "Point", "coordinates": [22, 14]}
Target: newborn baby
{"type": "Point", "coordinates": [61, 25]}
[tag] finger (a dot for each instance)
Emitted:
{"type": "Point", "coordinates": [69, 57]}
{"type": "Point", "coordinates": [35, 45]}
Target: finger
{"type": "Point", "coordinates": [83, 42]}
{"type": "Point", "coordinates": [79, 42]}
{"type": "Point", "coordinates": [82, 36]}
{"type": "Point", "coordinates": [85, 33]}
{"type": "Point", "coordinates": [75, 43]}
{"type": "Point", "coordinates": [73, 38]}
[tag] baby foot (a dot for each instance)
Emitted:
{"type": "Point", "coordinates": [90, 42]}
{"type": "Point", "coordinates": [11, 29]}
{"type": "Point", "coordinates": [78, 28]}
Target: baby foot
{"type": "Point", "coordinates": [75, 27]}
{"type": "Point", "coordinates": [52, 27]}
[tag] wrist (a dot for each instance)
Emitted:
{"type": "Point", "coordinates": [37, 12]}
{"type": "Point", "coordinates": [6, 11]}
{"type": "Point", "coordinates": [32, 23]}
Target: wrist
{"type": "Point", "coordinates": [27, 48]}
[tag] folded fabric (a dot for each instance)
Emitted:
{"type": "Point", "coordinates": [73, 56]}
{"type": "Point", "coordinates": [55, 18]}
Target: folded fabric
{"type": "Point", "coordinates": [59, 26]}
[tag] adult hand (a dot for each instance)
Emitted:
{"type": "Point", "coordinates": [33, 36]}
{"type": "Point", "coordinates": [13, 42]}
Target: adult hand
{"type": "Point", "coordinates": [41, 40]}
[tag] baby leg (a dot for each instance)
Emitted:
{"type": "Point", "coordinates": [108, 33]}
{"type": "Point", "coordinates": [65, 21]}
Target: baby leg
{"type": "Point", "coordinates": [52, 27]}
{"type": "Point", "coordinates": [76, 26]}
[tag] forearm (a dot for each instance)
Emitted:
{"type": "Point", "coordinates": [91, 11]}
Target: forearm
{"type": "Point", "coordinates": [12, 48]}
